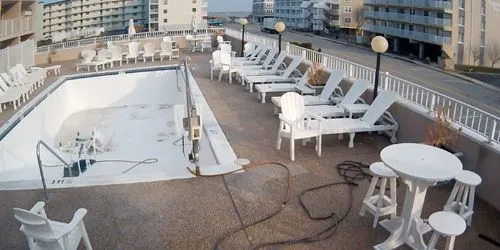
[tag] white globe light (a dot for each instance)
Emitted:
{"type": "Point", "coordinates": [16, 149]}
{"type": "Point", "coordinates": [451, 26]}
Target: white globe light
{"type": "Point", "coordinates": [379, 44]}
{"type": "Point", "coordinates": [243, 21]}
{"type": "Point", "coordinates": [280, 27]}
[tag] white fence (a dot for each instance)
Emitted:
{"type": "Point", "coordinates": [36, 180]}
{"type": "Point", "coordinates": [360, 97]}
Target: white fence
{"type": "Point", "coordinates": [22, 53]}
{"type": "Point", "coordinates": [124, 37]}
{"type": "Point", "coordinates": [480, 122]}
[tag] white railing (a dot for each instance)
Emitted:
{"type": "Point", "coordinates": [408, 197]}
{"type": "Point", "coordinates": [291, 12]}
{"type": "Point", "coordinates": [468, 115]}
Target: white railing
{"type": "Point", "coordinates": [15, 27]}
{"type": "Point", "coordinates": [124, 37]}
{"type": "Point", "coordinates": [21, 53]}
{"type": "Point", "coordinates": [479, 122]}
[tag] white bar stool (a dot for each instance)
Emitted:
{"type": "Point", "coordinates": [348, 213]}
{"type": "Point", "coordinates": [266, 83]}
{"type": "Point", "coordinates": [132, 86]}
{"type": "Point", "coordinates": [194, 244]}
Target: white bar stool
{"type": "Point", "coordinates": [465, 187]}
{"type": "Point", "coordinates": [380, 204]}
{"type": "Point", "coordinates": [445, 224]}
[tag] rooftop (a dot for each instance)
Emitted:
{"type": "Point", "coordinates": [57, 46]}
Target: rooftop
{"type": "Point", "coordinates": [196, 213]}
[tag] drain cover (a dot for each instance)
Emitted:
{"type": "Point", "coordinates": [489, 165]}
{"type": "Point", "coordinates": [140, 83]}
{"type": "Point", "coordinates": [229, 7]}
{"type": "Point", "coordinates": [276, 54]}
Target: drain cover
{"type": "Point", "coordinates": [241, 161]}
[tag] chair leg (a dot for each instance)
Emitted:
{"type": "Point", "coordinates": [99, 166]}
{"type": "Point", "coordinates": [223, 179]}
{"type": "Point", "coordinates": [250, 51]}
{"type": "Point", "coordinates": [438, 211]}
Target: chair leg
{"type": "Point", "coordinates": [263, 97]}
{"type": "Point", "coordinates": [447, 206]}
{"type": "Point", "coordinates": [450, 243]}
{"type": "Point", "coordinates": [380, 201]}
{"type": "Point", "coordinates": [85, 237]}
{"type": "Point", "coordinates": [318, 143]}
{"type": "Point", "coordinates": [393, 197]}
{"type": "Point", "coordinates": [471, 204]}
{"type": "Point", "coordinates": [292, 148]}
{"type": "Point", "coordinates": [351, 140]}
{"type": "Point", "coordinates": [433, 241]}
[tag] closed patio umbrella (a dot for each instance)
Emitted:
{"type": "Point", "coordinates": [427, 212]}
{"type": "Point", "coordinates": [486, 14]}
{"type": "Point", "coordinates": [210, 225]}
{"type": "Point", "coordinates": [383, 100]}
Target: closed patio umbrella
{"type": "Point", "coordinates": [131, 28]}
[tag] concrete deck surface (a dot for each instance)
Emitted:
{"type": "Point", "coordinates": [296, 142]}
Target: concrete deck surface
{"type": "Point", "coordinates": [193, 213]}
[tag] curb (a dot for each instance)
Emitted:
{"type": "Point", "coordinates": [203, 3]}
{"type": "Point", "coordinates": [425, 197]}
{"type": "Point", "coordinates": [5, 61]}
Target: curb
{"type": "Point", "coordinates": [454, 74]}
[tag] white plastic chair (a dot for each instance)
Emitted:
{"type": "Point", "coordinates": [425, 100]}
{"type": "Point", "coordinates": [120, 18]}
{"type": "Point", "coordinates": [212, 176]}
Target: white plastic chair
{"type": "Point", "coordinates": [248, 48]}
{"type": "Point", "coordinates": [190, 43]}
{"type": "Point", "coordinates": [109, 44]}
{"type": "Point", "coordinates": [215, 64]}
{"type": "Point", "coordinates": [87, 58]}
{"type": "Point", "coordinates": [220, 41]}
{"type": "Point", "coordinates": [133, 51]}
{"type": "Point", "coordinates": [226, 67]}
{"type": "Point", "coordinates": [294, 123]}
{"type": "Point", "coordinates": [102, 59]}
{"type": "Point", "coordinates": [116, 55]}
{"type": "Point", "coordinates": [167, 39]}
{"type": "Point", "coordinates": [166, 50]}
{"type": "Point", "coordinates": [43, 233]}
{"type": "Point", "coordinates": [149, 51]}
{"type": "Point", "coordinates": [206, 45]}
{"type": "Point", "coordinates": [226, 48]}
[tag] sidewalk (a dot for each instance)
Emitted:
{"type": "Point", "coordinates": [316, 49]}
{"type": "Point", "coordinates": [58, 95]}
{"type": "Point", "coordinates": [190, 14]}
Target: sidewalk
{"type": "Point", "coordinates": [429, 66]}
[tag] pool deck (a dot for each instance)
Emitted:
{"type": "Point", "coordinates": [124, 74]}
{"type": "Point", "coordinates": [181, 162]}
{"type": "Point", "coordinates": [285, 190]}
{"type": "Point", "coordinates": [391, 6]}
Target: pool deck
{"type": "Point", "coordinates": [194, 213]}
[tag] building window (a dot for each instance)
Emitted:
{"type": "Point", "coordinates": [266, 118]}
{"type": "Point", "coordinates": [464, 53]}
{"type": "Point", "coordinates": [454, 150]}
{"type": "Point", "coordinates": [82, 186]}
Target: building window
{"type": "Point", "coordinates": [440, 15]}
{"type": "Point", "coordinates": [165, 11]}
{"type": "Point", "coordinates": [194, 1]}
{"type": "Point", "coordinates": [483, 23]}
{"type": "Point", "coordinates": [461, 20]}
{"type": "Point", "coordinates": [194, 9]}
{"type": "Point", "coordinates": [461, 4]}
{"type": "Point", "coordinates": [165, 20]}
{"type": "Point", "coordinates": [347, 20]}
{"type": "Point", "coordinates": [483, 7]}
{"type": "Point", "coordinates": [481, 42]}
{"type": "Point", "coordinates": [426, 13]}
{"type": "Point", "coordinates": [412, 11]}
{"type": "Point", "coordinates": [348, 9]}
{"type": "Point", "coordinates": [461, 36]}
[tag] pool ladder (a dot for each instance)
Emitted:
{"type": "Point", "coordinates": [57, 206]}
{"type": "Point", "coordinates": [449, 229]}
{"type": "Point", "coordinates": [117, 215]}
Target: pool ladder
{"type": "Point", "coordinates": [39, 160]}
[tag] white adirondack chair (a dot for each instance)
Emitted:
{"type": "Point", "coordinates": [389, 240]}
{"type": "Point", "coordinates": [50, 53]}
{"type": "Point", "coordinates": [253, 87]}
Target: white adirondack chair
{"type": "Point", "coordinates": [149, 52]}
{"type": "Point", "coordinates": [220, 41]}
{"type": "Point", "coordinates": [116, 55]}
{"type": "Point", "coordinates": [225, 66]}
{"type": "Point", "coordinates": [331, 85]}
{"type": "Point", "coordinates": [206, 45]}
{"type": "Point", "coordinates": [215, 64]}
{"type": "Point", "coordinates": [248, 48]}
{"type": "Point", "coordinates": [348, 105]}
{"type": "Point", "coordinates": [43, 233]}
{"type": "Point", "coordinates": [166, 50]}
{"type": "Point", "coordinates": [133, 51]}
{"type": "Point", "coordinates": [295, 123]}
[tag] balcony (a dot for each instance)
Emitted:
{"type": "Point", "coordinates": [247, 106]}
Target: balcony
{"type": "Point", "coordinates": [410, 34]}
{"type": "Point", "coordinates": [333, 12]}
{"type": "Point", "coordinates": [153, 19]}
{"type": "Point", "coordinates": [427, 4]}
{"type": "Point", "coordinates": [10, 28]}
{"type": "Point", "coordinates": [400, 17]}
{"type": "Point", "coordinates": [154, 2]}
{"type": "Point", "coordinates": [153, 11]}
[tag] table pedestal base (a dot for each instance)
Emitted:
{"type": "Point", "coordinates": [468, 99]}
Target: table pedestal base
{"type": "Point", "coordinates": [397, 238]}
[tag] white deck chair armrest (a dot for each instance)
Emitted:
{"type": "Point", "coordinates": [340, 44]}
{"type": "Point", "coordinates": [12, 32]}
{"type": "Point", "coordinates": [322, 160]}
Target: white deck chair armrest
{"type": "Point", "coordinates": [77, 218]}
{"type": "Point", "coordinates": [38, 208]}
{"type": "Point", "coordinates": [314, 116]}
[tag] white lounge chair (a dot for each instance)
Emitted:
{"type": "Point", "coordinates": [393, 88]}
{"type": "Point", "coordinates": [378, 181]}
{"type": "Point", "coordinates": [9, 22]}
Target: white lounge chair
{"type": "Point", "coordinates": [11, 95]}
{"type": "Point", "coordinates": [35, 79]}
{"type": "Point", "coordinates": [348, 106]}
{"type": "Point", "coordinates": [116, 55]}
{"type": "Point", "coordinates": [166, 50]}
{"type": "Point", "coordinates": [252, 57]}
{"type": "Point", "coordinates": [270, 58]}
{"type": "Point", "coordinates": [300, 87]}
{"type": "Point", "coordinates": [294, 123]}
{"type": "Point", "coordinates": [225, 66]}
{"type": "Point", "coordinates": [43, 233]}
{"type": "Point", "coordinates": [12, 83]}
{"type": "Point", "coordinates": [149, 52]}
{"type": "Point", "coordinates": [324, 98]}
{"type": "Point", "coordinates": [133, 51]}
{"type": "Point", "coordinates": [87, 58]}
{"type": "Point", "coordinates": [258, 59]}
{"type": "Point", "coordinates": [274, 70]}
{"type": "Point", "coordinates": [215, 64]}
{"type": "Point", "coordinates": [38, 75]}
{"type": "Point", "coordinates": [376, 119]}
{"type": "Point", "coordinates": [285, 77]}
{"type": "Point", "coordinates": [103, 59]}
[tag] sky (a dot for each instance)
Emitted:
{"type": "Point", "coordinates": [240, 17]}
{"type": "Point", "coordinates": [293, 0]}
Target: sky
{"type": "Point", "coordinates": [229, 5]}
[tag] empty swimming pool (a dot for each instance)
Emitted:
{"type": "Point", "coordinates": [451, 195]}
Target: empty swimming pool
{"type": "Point", "coordinates": [114, 120]}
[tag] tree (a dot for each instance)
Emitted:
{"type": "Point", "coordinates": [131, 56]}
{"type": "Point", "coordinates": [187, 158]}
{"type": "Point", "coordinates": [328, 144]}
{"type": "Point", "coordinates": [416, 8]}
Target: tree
{"type": "Point", "coordinates": [475, 52]}
{"type": "Point", "coordinates": [493, 54]}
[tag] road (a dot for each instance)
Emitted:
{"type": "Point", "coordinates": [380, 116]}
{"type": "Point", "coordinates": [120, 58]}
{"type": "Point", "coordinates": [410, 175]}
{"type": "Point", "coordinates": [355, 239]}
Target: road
{"type": "Point", "coordinates": [473, 94]}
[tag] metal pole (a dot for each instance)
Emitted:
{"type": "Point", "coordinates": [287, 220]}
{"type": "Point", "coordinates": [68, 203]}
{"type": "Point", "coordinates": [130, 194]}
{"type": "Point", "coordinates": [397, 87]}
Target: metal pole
{"type": "Point", "coordinates": [377, 70]}
{"type": "Point", "coordinates": [242, 40]}
{"type": "Point", "coordinates": [279, 42]}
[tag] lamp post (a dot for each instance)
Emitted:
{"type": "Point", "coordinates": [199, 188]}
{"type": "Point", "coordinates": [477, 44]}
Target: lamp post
{"type": "Point", "coordinates": [279, 27]}
{"type": "Point", "coordinates": [379, 45]}
{"type": "Point", "coordinates": [243, 22]}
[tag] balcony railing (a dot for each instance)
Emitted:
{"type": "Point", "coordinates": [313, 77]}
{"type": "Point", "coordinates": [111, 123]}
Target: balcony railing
{"type": "Point", "coordinates": [433, 4]}
{"type": "Point", "coordinates": [425, 20]}
{"type": "Point", "coordinates": [411, 34]}
{"type": "Point", "coordinates": [15, 27]}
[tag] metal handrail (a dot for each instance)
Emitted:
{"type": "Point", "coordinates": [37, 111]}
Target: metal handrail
{"type": "Point", "coordinates": [193, 122]}
{"type": "Point", "coordinates": [42, 143]}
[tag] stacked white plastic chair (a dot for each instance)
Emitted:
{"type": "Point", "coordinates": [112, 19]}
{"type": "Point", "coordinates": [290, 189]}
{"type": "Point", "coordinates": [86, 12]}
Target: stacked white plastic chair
{"type": "Point", "coordinates": [166, 50]}
{"type": "Point", "coordinates": [149, 52]}
{"type": "Point", "coordinates": [133, 51]}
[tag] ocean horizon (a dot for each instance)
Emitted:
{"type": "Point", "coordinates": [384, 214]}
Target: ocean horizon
{"type": "Point", "coordinates": [229, 13]}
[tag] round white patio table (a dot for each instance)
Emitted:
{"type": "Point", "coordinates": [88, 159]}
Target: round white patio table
{"type": "Point", "coordinates": [419, 166]}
